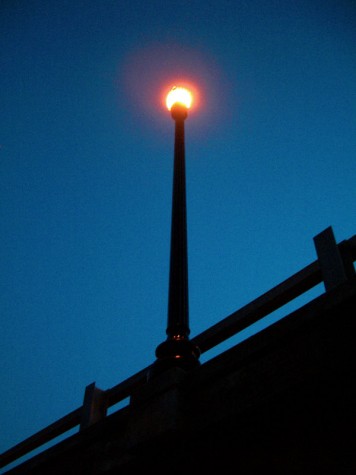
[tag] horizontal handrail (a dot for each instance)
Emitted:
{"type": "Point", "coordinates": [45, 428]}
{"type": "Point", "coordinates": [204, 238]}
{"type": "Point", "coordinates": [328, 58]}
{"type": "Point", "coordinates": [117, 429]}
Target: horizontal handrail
{"type": "Point", "coordinates": [124, 389]}
{"type": "Point", "coordinates": [112, 396]}
{"type": "Point", "coordinates": [40, 438]}
{"type": "Point", "coordinates": [283, 293]}
{"type": "Point", "coordinates": [275, 298]}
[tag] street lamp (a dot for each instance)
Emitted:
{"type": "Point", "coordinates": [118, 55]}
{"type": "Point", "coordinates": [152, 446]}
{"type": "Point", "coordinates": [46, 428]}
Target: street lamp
{"type": "Point", "coordinates": [177, 350]}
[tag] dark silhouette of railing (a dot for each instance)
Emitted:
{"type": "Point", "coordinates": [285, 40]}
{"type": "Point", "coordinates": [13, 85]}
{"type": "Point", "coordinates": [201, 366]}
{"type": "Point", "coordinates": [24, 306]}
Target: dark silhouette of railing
{"type": "Point", "coordinates": [334, 266]}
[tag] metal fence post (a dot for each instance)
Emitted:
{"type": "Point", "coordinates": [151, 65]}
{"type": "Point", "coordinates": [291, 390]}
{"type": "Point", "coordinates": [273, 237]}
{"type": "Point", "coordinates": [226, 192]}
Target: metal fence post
{"type": "Point", "coordinates": [94, 406]}
{"type": "Point", "coordinates": [334, 265]}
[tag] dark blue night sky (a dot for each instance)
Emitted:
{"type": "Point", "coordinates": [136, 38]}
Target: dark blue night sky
{"type": "Point", "coordinates": [86, 155]}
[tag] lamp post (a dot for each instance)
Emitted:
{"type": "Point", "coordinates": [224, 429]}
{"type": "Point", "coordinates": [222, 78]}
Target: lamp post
{"type": "Point", "coordinates": [177, 349]}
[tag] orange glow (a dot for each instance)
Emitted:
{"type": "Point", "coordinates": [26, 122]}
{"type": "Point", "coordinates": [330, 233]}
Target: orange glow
{"type": "Point", "coordinates": [179, 95]}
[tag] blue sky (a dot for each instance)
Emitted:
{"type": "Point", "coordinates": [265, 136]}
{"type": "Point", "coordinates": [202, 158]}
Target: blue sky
{"type": "Point", "coordinates": [86, 156]}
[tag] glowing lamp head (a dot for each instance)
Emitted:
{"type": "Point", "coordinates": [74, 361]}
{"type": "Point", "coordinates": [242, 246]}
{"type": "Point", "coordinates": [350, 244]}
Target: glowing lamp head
{"type": "Point", "coordinates": [179, 99]}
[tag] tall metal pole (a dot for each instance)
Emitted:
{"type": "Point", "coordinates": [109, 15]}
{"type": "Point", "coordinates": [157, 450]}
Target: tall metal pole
{"type": "Point", "coordinates": [178, 303]}
{"type": "Point", "coordinates": [178, 350]}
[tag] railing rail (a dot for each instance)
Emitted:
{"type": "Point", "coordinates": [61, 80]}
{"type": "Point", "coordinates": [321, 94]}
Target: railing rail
{"type": "Point", "coordinates": [267, 303]}
{"type": "Point", "coordinates": [40, 438]}
{"type": "Point", "coordinates": [334, 266]}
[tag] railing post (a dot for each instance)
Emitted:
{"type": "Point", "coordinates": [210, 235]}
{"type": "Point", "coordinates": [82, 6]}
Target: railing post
{"type": "Point", "coordinates": [94, 406]}
{"type": "Point", "coordinates": [335, 268]}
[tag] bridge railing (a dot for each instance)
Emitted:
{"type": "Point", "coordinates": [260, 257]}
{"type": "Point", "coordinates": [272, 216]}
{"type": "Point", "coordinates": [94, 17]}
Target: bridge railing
{"type": "Point", "coordinates": [334, 266]}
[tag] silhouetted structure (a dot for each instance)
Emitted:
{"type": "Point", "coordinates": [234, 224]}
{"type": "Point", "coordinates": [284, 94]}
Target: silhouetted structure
{"type": "Point", "coordinates": [280, 402]}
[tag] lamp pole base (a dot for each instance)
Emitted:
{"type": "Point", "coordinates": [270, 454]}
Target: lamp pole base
{"type": "Point", "coordinates": [175, 352]}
